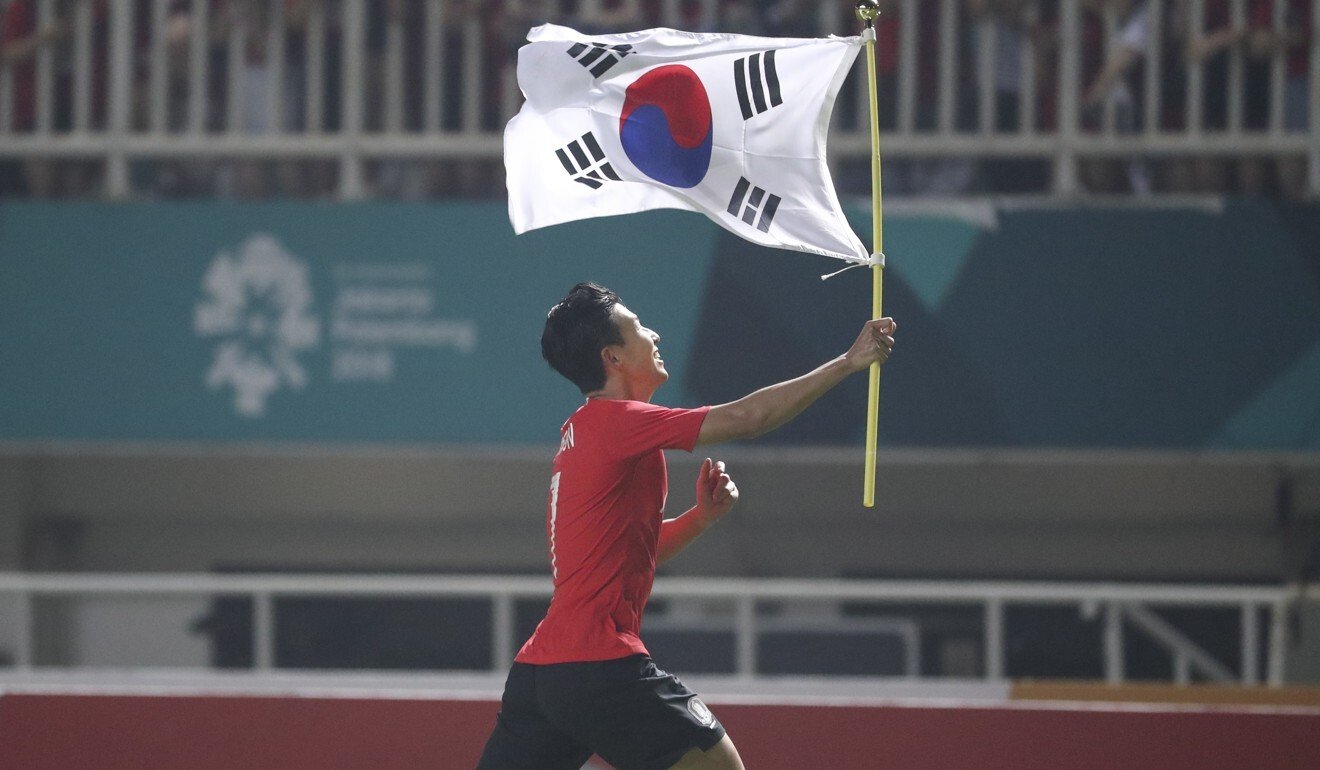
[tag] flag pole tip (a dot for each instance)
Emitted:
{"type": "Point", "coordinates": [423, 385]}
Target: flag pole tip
{"type": "Point", "coordinates": [867, 10]}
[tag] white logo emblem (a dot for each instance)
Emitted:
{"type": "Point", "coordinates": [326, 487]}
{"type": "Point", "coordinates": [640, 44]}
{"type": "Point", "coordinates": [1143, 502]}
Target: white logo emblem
{"type": "Point", "coordinates": [700, 711]}
{"type": "Point", "coordinates": [258, 307]}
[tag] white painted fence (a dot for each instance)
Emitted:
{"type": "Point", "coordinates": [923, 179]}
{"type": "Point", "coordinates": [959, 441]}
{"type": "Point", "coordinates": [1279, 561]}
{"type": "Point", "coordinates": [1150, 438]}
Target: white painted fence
{"type": "Point", "coordinates": [1121, 604]}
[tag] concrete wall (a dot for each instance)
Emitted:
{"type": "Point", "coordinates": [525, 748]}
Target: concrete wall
{"type": "Point", "coordinates": [1039, 515]}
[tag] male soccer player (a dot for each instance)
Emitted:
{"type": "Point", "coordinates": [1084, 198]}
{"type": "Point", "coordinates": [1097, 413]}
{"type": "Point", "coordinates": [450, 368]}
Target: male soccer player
{"type": "Point", "coordinates": [584, 682]}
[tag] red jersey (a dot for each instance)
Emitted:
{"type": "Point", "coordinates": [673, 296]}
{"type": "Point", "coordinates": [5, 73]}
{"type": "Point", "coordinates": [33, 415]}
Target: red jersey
{"type": "Point", "coordinates": [607, 492]}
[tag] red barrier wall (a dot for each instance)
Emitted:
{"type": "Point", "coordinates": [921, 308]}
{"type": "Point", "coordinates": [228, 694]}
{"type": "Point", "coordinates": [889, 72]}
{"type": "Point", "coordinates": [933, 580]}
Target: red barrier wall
{"type": "Point", "coordinates": [111, 732]}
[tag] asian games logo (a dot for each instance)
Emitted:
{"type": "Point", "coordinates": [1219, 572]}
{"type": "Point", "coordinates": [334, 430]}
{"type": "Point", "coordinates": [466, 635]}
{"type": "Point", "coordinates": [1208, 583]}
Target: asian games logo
{"type": "Point", "coordinates": [257, 306]}
{"type": "Point", "coordinates": [665, 126]}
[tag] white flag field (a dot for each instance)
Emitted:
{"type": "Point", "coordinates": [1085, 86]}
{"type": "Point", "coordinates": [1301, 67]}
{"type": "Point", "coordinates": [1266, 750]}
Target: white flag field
{"type": "Point", "coordinates": [731, 126]}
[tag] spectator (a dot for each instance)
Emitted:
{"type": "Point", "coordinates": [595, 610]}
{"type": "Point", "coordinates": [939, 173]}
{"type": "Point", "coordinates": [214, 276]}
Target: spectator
{"type": "Point", "coordinates": [1264, 43]}
{"type": "Point", "coordinates": [1209, 50]}
{"type": "Point", "coordinates": [1015, 24]}
{"type": "Point", "coordinates": [1114, 85]}
{"type": "Point", "coordinates": [20, 41]}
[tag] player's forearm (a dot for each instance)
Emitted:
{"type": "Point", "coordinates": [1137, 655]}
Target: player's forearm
{"type": "Point", "coordinates": [675, 534]}
{"type": "Point", "coordinates": [772, 406]}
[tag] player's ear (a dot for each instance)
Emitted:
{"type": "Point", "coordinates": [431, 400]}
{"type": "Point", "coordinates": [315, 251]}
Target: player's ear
{"type": "Point", "coordinates": [609, 356]}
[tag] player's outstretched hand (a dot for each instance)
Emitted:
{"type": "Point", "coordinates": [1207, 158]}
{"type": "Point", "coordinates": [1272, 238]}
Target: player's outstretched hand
{"type": "Point", "coordinates": [716, 492]}
{"type": "Point", "coordinates": [873, 345]}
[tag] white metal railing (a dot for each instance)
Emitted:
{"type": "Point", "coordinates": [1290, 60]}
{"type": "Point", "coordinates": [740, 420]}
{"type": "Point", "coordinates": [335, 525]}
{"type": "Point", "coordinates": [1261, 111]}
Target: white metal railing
{"type": "Point", "coordinates": [350, 82]}
{"type": "Point", "coordinates": [1119, 602]}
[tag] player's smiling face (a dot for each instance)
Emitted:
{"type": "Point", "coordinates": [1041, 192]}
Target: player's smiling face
{"type": "Point", "coordinates": [639, 356]}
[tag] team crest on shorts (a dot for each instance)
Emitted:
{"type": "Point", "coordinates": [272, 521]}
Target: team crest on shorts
{"type": "Point", "coordinates": [700, 711]}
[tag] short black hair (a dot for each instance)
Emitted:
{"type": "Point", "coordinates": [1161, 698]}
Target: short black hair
{"type": "Point", "coordinates": [576, 329]}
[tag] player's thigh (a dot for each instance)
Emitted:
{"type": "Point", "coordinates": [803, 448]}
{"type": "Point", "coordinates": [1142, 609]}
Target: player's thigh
{"type": "Point", "coordinates": [523, 738]}
{"type": "Point", "coordinates": [721, 756]}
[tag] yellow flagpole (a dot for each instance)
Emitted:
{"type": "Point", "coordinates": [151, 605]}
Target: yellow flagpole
{"type": "Point", "coordinates": [868, 11]}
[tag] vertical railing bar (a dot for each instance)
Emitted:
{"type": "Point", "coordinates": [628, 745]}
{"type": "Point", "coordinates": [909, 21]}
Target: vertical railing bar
{"type": "Point", "coordinates": [1027, 54]}
{"type": "Point", "coordinates": [510, 96]}
{"type": "Point", "coordinates": [1113, 643]}
{"type": "Point", "coordinates": [1109, 105]}
{"type": "Point", "coordinates": [235, 85]}
{"type": "Point", "coordinates": [907, 68]}
{"type": "Point", "coordinates": [263, 630]}
{"type": "Point", "coordinates": [394, 55]}
{"type": "Point", "coordinates": [1196, 70]}
{"type": "Point", "coordinates": [315, 48]}
{"type": "Point", "coordinates": [948, 66]}
{"type": "Point", "coordinates": [1154, 64]}
{"type": "Point", "coordinates": [198, 64]}
{"type": "Point", "coordinates": [987, 60]}
{"type": "Point", "coordinates": [433, 77]}
{"type": "Point", "coordinates": [994, 639]}
{"type": "Point", "coordinates": [669, 13]}
{"type": "Point", "coordinates": [1278, 643]}
{"type": "Point", "coordinates": [829, 19]}
{"type": "Point", "coordinates": [1277, 67]}
{"type": "Point", "coordinates": [1313, 106]}
{"type": "Point", "coordinates": [351, 184]}
{"type": "Point", "coordinates": [7, 119]}
{"type": "Point", "coordinates": [160, 84]}
{"type": "Point", "coordinates": [745, 625]}
{"type": "Point", "coordinates": [120, 53]}
{"type": "Point", "coordinates": [276, 64]}
{"type": "Point", "coordinates": [912, 653]}
{"type": "Point", "coordinates": [502, 631]}
{"type": "Point", "coordinates": [472, 59]}
{"type": "Point", "coordinates": [24, 652]}
{"type": "Point", "coordinates": [1236, 73]}
{"type": "Point", "coordinates": [1182, 670]}
{"type": "Point", "coordinates": [82, 68]}
{"type": "Point", "coordinates": [1250, 645]}
{"type": "Point", "coordinates": [1065, 157]}
{"type": "Point", "coordinates": [45, 73]}
{"type": "Point", "coordinates": [709, 14]}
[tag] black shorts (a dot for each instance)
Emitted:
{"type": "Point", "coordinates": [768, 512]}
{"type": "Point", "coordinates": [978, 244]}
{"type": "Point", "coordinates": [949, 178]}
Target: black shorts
{"type": "Point", "coordinates": [635, 716]}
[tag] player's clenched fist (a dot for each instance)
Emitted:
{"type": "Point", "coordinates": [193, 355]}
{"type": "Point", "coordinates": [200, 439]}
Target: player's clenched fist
{"type": "Point", "coordinates": [873, 345]}
{"type": "Point", "coordinates": [716, 492]}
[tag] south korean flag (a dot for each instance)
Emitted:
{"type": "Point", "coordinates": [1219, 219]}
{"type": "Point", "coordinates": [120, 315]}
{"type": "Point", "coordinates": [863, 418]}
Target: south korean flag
{"type": "Point", "coordinates": [731, 126]}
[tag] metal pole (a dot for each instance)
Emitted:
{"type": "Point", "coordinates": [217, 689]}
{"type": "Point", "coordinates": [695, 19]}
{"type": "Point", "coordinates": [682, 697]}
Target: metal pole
{"type": "Point", "coordinates": [1065, 157]}
{"type": "Point", "coordinates": [1250, 646]}
{"type": "Point", "coordinates": [351, 183]}
{"type": "Point", "coordinates": [263, 631]}
{"type": "Point", "coordinates": [502, 638]}
{"type": "Point", "coordinates": [745, 635]}
{"type": "Point", "coordinates": [121, 98]}
{"type": "Point", "coordinates": [23, 648]}
{"type": "Point", "coordinates": [1278, 642]}
{"type": "Point", "coordinates": [1113, 642]}
{"type": "Point", "coordinates": [1313, 114]}
{"type": "Point", "coordinates": [994, 639]}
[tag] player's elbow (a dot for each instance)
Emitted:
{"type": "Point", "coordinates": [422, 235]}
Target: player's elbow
{"type": "Point", "coordinates": [735, 421]}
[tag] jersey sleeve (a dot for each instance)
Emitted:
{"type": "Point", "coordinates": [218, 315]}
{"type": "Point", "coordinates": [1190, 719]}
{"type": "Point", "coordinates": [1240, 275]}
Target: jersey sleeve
{"type": "Point", "coordinates": [640, 427]}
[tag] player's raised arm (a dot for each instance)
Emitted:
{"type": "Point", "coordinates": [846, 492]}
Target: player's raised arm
{"type": "Point", "coordinates": [768, 408]}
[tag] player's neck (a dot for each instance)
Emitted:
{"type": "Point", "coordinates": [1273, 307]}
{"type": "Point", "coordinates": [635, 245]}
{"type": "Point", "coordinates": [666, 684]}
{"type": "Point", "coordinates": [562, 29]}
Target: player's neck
{"type": "Point", "coordinates": [620, 389]}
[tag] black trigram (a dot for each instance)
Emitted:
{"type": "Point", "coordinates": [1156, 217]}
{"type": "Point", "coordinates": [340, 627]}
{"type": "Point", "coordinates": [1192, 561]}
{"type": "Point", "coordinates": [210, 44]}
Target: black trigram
{"type": "Point", "coordinates": [592, 170]}
{"type": "Point", "coordinates": [753, 205]}
{"type": "Point", "coordinates": [598, 57]}
{"type": "Point", "coordinates": [761, 82]}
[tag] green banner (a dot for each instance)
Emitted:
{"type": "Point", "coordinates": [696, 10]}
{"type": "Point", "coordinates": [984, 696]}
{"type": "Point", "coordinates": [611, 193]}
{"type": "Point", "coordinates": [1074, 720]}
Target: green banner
{"type": "Point", "coordinates": [307, 322]}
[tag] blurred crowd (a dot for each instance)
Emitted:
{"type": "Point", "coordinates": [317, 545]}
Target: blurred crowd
{"type": "Point", "coordinates": [483, 35]}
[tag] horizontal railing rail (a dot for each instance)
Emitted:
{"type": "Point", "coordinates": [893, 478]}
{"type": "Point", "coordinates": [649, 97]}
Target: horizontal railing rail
{"type": "Point", "coordinates": [1117, 601]}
